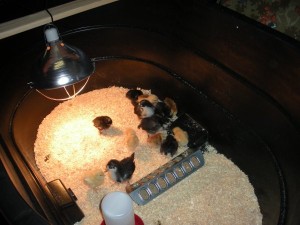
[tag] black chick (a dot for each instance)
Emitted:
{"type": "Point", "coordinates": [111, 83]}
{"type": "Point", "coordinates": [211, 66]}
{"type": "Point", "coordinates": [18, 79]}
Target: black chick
{"type": "Point", "coordinates": [133, 95]}
{"type": "Point", "coordinates": [163, 109]}
{"type": "Point", "coordinates": [169, 145]}
{"type": "Point", "coordinates": [151, 124]}
{"type": "Point", "coordinates": [102, 122]}
{"type": "Point", "coordinates": [144, 109]}
{"type": "Point", "coordinates": [121, 170]}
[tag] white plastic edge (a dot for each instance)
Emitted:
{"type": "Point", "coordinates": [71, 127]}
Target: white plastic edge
{"type": "Point", "coordinates": [51, 35]}
{"type": "Point", "coordinates": [25, 23]}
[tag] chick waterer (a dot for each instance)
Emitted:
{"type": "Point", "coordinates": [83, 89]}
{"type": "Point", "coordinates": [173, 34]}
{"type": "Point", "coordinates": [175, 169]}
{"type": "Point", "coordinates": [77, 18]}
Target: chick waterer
{"type": "Point", "coordinates": [117, 208]}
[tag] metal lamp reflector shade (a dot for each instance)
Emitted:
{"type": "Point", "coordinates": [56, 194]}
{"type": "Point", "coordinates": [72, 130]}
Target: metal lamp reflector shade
{"type": "Point", "coordinates": [61, 65]}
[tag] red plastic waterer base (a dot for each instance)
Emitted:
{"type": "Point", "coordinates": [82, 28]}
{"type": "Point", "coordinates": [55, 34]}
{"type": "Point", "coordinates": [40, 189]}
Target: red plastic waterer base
{"type": "Point", "coordinates": [137, 219]}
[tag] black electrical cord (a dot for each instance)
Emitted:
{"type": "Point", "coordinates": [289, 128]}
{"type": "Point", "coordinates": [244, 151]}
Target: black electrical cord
{"type": "Point", "coordinates": [52, 21]}
{"type": "Point", "coordinates": [47, 10]}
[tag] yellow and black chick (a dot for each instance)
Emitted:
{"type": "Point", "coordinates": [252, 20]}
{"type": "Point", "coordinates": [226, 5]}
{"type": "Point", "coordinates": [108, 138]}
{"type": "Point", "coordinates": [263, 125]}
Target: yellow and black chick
{"type": "Point", "coordinates": [149, 97]}
{"type": "Point", "coordinates": [169, 145]}
{"type": "Point", "coordinates": [144, 109]}
{"type": "Point", "coordinates": [102, 122]}
{"type": "Point", "coordinates": [176, 138]}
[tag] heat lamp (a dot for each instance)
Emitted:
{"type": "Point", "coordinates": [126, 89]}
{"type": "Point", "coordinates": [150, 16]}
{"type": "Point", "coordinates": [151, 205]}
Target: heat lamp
{"type": "Point", "coordinates": [63, 71]}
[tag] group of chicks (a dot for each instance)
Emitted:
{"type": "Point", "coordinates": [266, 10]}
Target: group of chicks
{"type": "Point", "coordinates": [156, 118]}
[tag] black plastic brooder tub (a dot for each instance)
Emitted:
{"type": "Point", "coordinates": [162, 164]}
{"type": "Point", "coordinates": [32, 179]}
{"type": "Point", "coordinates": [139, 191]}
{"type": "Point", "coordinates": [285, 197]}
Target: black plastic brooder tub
{"type": "Point", "coordinates": [233, 76]}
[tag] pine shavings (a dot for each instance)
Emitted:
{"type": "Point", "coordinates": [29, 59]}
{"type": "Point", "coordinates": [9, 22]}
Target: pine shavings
{"type": "Point", "coordinates": [70, 148]}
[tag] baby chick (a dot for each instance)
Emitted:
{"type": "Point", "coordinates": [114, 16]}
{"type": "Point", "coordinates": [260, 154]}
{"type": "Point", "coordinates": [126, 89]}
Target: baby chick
{"type": "Point", "coordinates": [172, 106]}
{"type": "Point", "coordinates": [102, 122]}
{"type": "Point", "coordinates": [181, 136]}
{"type": "Point", "coordinates": [94, 178]}
{"type": "Point", "coordinates": [133, 95]}
{"type": "Point", "coordinates": [121, 170]}
{"type": "Point", "coordinates": [144, 109]}
{"type": "Point", "coordinates": [169, 145]}
{"type": "Point", "coordinates": [150, 97]}
{"type": "Point", "coordinates": [155, 139]}
{"type": "Point", "coordinates": [132, 140]}
{"type": "Point", "coordinates": [163, 110]}
{"type": "Point", "coordinates": [151, 124]}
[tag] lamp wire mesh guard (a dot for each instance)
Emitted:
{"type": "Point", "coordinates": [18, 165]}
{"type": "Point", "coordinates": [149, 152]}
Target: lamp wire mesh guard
{"type": "Point", "coordinates": [63, 71]}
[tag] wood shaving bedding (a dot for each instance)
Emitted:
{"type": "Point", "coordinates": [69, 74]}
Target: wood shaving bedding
{"type": "Point", "coordinates": [69, 147]}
